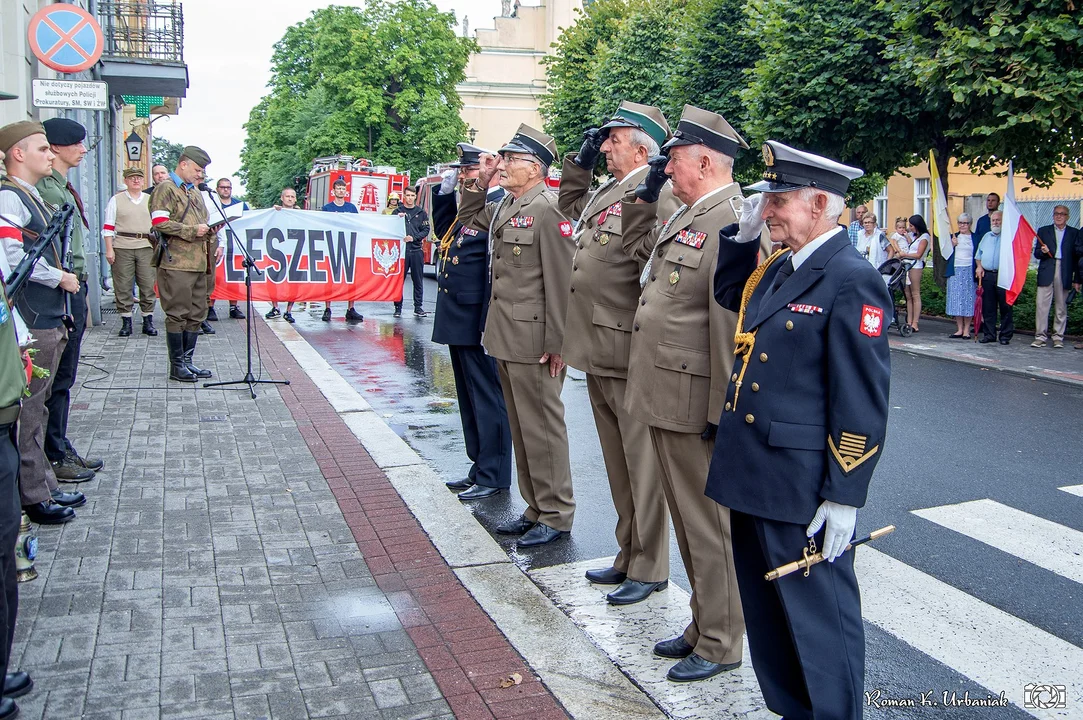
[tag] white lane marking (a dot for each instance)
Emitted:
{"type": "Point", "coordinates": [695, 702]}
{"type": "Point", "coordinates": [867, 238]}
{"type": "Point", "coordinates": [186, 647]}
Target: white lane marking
{"type": "Point", "coordinates": [628, 634]}
{"type": "Point", "coordinates": [1073, 489]}
{"type": "Point", "coordinates": [991, 647]}
{"type": "Point", "coordinates": [1039, 541]}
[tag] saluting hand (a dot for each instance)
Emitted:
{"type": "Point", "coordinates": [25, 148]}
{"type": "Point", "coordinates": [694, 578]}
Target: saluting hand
{"type": "Point", "coordinates": [752, 221]}
{"type": "Point", "coordinates": [487, 167]}
{"type": "Point", "coordinates": [591, 148]}
{"type": "Point", "coordinates": [651, 187]}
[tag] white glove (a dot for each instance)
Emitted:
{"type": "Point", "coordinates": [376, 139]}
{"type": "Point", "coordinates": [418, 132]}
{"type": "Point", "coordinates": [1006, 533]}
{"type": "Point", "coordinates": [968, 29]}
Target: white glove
{"type": "Point", "coordinates": [841, 520]}
{"type": "Point", "coordinates": [752, 218]}
{"type": "Point", "coordinates": [448, 180]}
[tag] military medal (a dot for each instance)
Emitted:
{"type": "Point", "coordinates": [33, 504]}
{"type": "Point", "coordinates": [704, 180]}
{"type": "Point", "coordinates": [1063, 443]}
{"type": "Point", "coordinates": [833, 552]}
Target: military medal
{"type": "Point", "coordinates": [516, 251]}
{"type": "Point", "coordinates": [603, 239]}
{"type": "Point", "coordinates": [691, 238]}
{"type": "Point", "coordinates": [674, 277]}
{"type": "Point", "coordinates": [459, 242]}
{"type": "Point", "coordinates": [522, 221]}
{"type": "Point", "coordinates": [454, 259]}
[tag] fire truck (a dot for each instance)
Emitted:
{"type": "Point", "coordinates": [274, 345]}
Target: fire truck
{"type": "Point", "coordinates": [368, 185]}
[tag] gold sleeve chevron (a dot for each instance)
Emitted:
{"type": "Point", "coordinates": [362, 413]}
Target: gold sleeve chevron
{"type": "Point", "coordinates": [850, 452]}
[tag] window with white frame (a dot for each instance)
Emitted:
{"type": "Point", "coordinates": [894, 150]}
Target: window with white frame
{"type": "Point", "coordinates": [922, 197]}
{"type": "Point", "coordinates": [879, 205]}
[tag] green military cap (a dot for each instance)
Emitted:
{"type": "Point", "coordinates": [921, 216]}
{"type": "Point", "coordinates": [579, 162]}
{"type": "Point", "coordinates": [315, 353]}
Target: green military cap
{"type": "Point", "coordinates": [792, 169]}
{"type": "Point", "coordinates": [647, 118]}
{"type": "Point", "coordinates": [703, 127]}
{"type": "Point", "coordinates": [13, 133]}
{"type": "Point", "coordinates": [133, 172]}
{"type": "Point", "coordinates": [532, 142]}
{"type": "Point", "coordinates": [197, 155]}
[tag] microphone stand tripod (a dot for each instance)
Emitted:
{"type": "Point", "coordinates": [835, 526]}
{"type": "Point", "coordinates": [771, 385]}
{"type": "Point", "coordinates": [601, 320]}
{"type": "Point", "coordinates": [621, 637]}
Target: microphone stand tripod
{"type": "Point", "coordinates": [249, 267]}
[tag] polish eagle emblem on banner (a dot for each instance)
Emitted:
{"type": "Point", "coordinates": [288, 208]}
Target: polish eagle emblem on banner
{"type": "Point", "coordinates": [385, 257]}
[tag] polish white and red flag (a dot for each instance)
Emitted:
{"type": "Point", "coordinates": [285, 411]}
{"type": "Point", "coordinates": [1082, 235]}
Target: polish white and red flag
{"type": "Point", "coordinates": [1016, 245]}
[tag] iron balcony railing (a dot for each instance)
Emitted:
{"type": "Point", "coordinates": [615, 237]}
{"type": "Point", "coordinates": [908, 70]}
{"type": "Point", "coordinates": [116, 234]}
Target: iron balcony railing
{"type": "Point", "coordinates": [143, 29]}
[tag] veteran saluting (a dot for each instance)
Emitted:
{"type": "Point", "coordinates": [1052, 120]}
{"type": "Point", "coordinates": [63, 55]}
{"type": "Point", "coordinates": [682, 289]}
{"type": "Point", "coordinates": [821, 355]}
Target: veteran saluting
{"type": "Point", "coordinates": [179, 215]}
{"type": "Point", "coordinates": [802, 429]}
{"type": "Point", "coordinates": [602, 305]}
{"type": "Point", "coordinates": [682, 350]}
{"type": "Point", "coordinates": [530, 252]}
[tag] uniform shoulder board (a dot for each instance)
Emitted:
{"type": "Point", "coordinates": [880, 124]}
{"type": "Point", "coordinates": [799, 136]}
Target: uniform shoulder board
{"type": "Point", "coordinates": [692, 238]}
{"type": "Point", "coordinates": [522, 221]}
{"type": "Point", "coordinates": [736, 203]}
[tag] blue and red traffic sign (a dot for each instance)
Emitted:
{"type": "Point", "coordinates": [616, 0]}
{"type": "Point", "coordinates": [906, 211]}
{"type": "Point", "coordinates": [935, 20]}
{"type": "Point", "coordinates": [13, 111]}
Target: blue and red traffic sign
{"type": "Point", "coordinates": [65, 37]}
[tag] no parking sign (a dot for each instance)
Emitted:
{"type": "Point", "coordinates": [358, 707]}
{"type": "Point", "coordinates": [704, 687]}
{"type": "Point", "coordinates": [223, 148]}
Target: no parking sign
{"type": "Point", "coordinates": [65, 37]}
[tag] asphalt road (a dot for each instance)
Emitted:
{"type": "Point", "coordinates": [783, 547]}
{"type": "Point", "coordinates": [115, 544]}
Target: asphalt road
{"type": "Point", "coordinates": [956, 433]}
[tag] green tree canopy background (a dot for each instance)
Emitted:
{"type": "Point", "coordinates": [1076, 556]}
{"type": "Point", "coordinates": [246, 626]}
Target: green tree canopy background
{"type": "Point", "coordinates": [164, 152]}
{"type": "Point", "coordinates": [375, 82]}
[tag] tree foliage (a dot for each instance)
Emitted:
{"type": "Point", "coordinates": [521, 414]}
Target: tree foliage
{"type": "Point", "coordinates": [375, 82]}
{"type": "Point", "coordinates": [164, 152]}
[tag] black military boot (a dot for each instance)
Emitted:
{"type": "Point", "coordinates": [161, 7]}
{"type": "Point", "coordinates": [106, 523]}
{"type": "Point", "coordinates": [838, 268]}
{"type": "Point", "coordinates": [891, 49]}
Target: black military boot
{"type": "Point", "coordinates": [125, 327]}
{"type": "Point", "coordinates": [148, 326]}
{"type": "Point", "coordinates": [177, 369]}
{"type": "Point", "coordinates": [189, 353]}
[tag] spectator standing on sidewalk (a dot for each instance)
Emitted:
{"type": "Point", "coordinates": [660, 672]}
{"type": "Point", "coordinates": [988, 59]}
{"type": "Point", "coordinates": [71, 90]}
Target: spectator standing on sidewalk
{"type": "Point", "coordinates": [417, 229]}
{"type": "Point", "coordinates": [982, 226]}
{"type": "Point", "coordinates": [42, 304]}
{"type": "Point", "coordinates": [342, 205]}
{"type": "Point", "coordinates": [288, 198]}
{"type": "Point", "coordinates": [857, 225]}
{"type": "Point", "coordinates": [993, 298]}
{"type": "Point", "coordinates": [871, 242]}
{"type": "Point", "coordinates": [914, 252]}
{"type": "Point", "coordinates": [224, 188]}
{"type": "Point", "coordinates": [126, 231]}
{"type": "Point", "coordinates": [1057, 268]}
{"type": "Point", "coordinates": [66, 142]}
{"type": "Point", "coordinates": [959, 271]}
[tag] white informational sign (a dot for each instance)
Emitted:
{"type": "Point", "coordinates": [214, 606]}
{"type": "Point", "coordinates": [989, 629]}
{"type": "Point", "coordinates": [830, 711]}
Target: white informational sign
{"type": "Point", "coordinates": [369, 193]}
{"type": "Point", "coordinates": [71, 94]}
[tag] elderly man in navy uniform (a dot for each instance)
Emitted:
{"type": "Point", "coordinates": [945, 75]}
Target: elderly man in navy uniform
{"type": "Point", "coordinates": [462, 277]}
{"type": "Point", "coordinates": [802, 429]}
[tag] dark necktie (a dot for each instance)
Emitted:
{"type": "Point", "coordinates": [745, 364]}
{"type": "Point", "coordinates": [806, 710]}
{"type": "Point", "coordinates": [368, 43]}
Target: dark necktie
{"type": "Point", "coordinates": [780, 277]}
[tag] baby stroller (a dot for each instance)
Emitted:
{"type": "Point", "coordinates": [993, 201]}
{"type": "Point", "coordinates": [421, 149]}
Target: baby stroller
{"type": "Point", "coordinates": [894, 272]}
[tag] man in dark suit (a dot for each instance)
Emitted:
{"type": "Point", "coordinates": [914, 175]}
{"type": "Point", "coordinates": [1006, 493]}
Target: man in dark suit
{"type": "Point", "coordinates": [1057, 267]}
{"type": "Point", "coordinates": [801, 430]}
{"type": "Point", "coordinates": [983, 225]}
{"type": "Point", "coordinates": [462, 278]}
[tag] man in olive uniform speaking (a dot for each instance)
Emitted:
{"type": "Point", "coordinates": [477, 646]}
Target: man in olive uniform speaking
{"type": "Point", "coordinates": [179, 215]}
{"type": "Point", "coordinates": [682, 351]}
{"type": "Point", "coordinates": [602, 305]}
{"type": "Point", "coordinates": [802, 429]}
{"type": "Point", "coordinates": [530, 260]}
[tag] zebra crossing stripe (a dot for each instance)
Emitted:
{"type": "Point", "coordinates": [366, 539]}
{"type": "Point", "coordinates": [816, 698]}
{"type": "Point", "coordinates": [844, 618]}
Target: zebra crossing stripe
{"type": "Point", "coordinates": [991, 647]}
{"type": "Point", "coordinates": [1073, 489]}
{"type": "Point", "coordinates": [1039, 541]}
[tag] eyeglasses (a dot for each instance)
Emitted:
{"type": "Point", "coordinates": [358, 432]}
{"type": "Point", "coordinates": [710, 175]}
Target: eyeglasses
{"type": "Point", "coordinates": [964, 222]}
{"type": "Point", "coordinates": [509, 158]}
{"type": "Point", "coordinates": [1062, 214]}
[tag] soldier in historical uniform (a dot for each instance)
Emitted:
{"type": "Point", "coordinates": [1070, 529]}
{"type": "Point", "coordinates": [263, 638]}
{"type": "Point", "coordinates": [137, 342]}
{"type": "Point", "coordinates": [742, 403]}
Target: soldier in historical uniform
{"type": "Point", "coordinates": [530, 251]}
{"type": "Point", "coordinates": [178, 214]}
{"type": "Point", "coordinates": [126, 231]}
{"type": "Point", "coordinates": [682, 350]}
{"type": "Point", "coordinates": [462, 277]}
{"type": "Point", "coordinates": [604, 297]}
{"type": "Point", "coordinates": [802, 429]}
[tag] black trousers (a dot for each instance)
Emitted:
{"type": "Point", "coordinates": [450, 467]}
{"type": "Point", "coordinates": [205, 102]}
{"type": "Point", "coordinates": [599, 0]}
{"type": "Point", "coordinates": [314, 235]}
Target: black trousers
{"type": "Point", "coordinates": [415, 264]}
{"type": "Point", "coordinates": [804, 633]}
{"type": "Point", "coordinates": [10, 517]}
{"type": "Point", "coordinates": [59, 401]}
{"type": "Point", "coordinates": [484, 415]}
{"type": "Point", "coordinates": [992, 300]}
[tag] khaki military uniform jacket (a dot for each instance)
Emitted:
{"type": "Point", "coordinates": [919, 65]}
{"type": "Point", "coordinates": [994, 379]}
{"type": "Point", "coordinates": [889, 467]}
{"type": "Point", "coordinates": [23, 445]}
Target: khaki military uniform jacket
{"type": "Point", "coordinates": [682, 340]}
{"type": "Point", "coordinates": [530, 268]}
{"type": "Point", "coordinates": [605, 269]}
{"type": "Point", "coordinates": [175, 213]}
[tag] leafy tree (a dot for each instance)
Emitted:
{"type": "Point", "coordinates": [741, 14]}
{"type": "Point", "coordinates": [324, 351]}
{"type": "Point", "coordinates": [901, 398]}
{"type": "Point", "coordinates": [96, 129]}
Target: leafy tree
{"type": "Point", "coordinates": [377, 82]}
{"type": "Point", "coordinates": [164, 152]}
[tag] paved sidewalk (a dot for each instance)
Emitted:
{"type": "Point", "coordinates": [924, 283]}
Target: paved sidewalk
{"type": "Point", "coordinates": [245, 559]}
{"type": "Point", "coordinates": [1019, 358]}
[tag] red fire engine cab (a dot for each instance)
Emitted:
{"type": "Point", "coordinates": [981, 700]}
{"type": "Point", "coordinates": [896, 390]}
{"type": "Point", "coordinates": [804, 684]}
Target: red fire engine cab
{"type": "Point", "coordinates": [368, 185]}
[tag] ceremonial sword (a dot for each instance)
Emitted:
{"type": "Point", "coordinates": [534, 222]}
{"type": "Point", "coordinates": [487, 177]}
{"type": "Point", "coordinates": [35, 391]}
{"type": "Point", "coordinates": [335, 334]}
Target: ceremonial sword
{"type": "Point", "coordinates": [812, 559]}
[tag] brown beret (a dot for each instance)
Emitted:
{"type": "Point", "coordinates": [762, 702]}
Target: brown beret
{"type": "Point", "coordinates": [13, 133]}
{"type": "Point", "coordinates": [132, 172]}
{"type": "Point", "coordinates": [196, 155]}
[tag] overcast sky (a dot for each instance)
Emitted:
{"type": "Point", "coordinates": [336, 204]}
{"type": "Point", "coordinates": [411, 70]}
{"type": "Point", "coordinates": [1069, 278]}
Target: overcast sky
{"type": "Point", "coordinates": [227, 45]}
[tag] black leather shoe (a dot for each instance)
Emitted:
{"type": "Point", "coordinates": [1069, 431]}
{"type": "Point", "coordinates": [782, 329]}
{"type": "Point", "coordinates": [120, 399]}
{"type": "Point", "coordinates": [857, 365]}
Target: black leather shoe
{"type": "Point", "coordinates": [479, 492]}
{"type": "Point", "coordinates": [8, 709]}
{"type": "Point", "coordinates": [353, 316]}
{"type": "Point", "coordinates": [211, 314]}
{"type": "Point", "coordinates": [540, 534]}
{"type": "Point", "coordinates": [517, 526]}
{"type": "Point", "coordinates": [694, 668]}
{"type": "Point", "coordinates": [633, 591]}
{"type": "Point", "coordinates": [460, 485]}
{"type": "Point", "coordinates": [206, 329]}
{"type": "Point", "coordinates": [17, 684]}
{"type": "Point", "coordinates": [48, 513]}
{"type": "Point", "coordinates": [148, 326]}
{"type": "Point", "coordinates": [608, 576]}
{"type": "Point", "coordinates": [1005, 342]}
{"type": "Point", "coordinates": [235, 313]}
{"type": "Point", "coordinates": [987, 340]}
{"type": "Point", "coordinates": [675, 648]}
{"type": "Point", "coordinates": [68, 499]}
{"type": "Point", "coordinates": [125, 327]}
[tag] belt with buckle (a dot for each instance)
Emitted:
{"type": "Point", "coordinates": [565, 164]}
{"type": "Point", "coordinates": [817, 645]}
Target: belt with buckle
{"type": "Point", "coordinates": [10, 414]}
{"type": "Point", "coordinates": [135, 236]}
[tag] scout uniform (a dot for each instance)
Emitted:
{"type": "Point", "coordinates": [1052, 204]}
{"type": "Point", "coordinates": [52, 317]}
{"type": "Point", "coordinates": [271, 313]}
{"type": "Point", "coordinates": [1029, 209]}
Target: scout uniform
{"type": "Point", "coordinates": [804, 421]}
{"type": "Point", "coordinates": [127, 227]}
{"type": "Point", "coordinates": [530, 257]}
{"type": "Point", "coordinates": [604, 297]}
{"type": "Point", "coordinates": [462, 276]}
{"type": "Point", "coordinates": [682, 350]}
{"type": "Point", "coordinates": [176, 209]}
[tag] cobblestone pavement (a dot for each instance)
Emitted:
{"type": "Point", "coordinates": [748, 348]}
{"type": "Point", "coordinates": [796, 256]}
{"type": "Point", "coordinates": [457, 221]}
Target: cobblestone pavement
{"type": "Point", "coordinates": [213, 573]}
